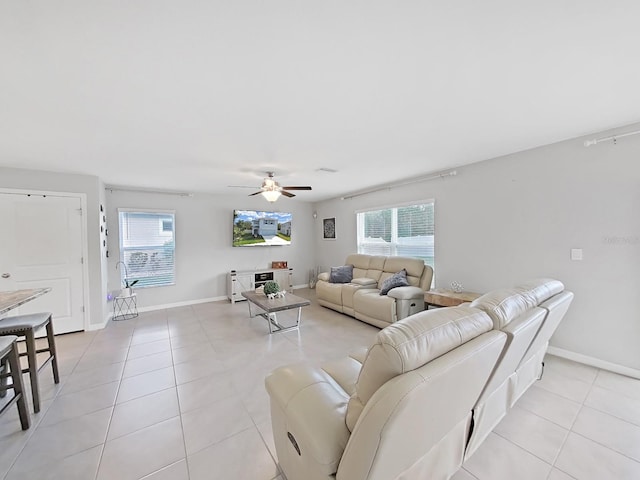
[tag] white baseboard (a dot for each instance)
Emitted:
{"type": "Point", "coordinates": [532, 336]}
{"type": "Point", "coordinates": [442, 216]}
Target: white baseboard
{"type": "Point", "coordinates": [186, 303]}
{"type": "Point", "coordinates": [99, 326]}
{"type": "Point", "coordinates": [180, 304]}
{"type": "Point", "coordinates": [594, 362]}
{"type": "Point", "coordinates": [164, 306]}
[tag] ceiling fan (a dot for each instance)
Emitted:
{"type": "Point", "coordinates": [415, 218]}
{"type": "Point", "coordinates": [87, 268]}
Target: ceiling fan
{"type": "Point", "coordinates": [271, 190]}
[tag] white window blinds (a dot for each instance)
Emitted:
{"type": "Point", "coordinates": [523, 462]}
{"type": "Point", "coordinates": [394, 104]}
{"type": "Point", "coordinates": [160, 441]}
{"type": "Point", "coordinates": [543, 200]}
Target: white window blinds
{"type": "Point", "coordinates": [147, 247]}
{"type": "Point", "coordinates": [406, 231]}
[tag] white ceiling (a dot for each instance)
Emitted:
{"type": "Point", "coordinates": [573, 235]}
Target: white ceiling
{"type": "Point", "coordinates": [197, 95]}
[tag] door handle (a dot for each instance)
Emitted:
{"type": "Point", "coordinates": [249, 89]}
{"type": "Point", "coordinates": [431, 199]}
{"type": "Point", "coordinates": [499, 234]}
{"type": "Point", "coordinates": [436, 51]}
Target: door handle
{"type": "Point", "coordinates": [6, 275]}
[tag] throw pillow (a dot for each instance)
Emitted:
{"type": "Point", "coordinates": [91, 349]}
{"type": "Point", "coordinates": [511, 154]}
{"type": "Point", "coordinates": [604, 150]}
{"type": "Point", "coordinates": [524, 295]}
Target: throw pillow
{"type": "Point", "coordinates": [396, 280]}
{"type": "Point", "coordinates": [342, 274]}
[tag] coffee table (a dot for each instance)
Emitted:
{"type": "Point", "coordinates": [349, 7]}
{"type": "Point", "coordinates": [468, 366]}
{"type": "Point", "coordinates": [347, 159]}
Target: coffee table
{"type": "Point", "coordinates": [269, 308]}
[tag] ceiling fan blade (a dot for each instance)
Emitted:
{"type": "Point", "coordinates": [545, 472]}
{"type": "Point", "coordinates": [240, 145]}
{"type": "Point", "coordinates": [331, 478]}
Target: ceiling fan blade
{"type": "Point", "coordinates": [296, 188]}
{"type": "Point", "coordinates": [240, 186]}
{"type": "Point", "coordinates": [287, 194]}
{"type": "Point", "coordinates": [256, 193]}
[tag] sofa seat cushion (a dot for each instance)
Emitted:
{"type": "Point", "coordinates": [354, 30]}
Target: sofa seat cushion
{"type": "Point", "coordinates": [330, 293]}
{"type": "Point", "coordinates": [369, 303]}
{"type": "Point", "coordinates": [348, 291]}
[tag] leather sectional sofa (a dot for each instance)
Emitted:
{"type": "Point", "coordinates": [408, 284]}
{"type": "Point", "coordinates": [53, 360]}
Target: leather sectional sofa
{"type": "Point", "coordinates": [361, 297]}
{"type": "Point", "coordinates": [423, 397]}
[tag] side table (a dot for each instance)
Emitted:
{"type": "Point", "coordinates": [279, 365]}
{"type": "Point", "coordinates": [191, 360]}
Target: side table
{"type": "Point", "coordinates": [125, 307]}
{"type": "Point", "coordinates": [441, 297]}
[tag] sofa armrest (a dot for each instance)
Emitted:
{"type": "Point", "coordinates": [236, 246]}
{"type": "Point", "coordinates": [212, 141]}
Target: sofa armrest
{"type": "Point", "coordinates": [314, 407]}
{"type": "Point", "coordinates": [406, 293]}
{"type": "Point", "coordinates": [324, 276]}
{"type": "Point", "coordinates": [365, 282]}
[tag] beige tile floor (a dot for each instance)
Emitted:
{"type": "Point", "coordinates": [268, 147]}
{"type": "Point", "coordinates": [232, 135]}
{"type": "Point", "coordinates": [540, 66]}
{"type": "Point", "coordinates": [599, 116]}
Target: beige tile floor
{"type": "Point", "coordinates": [179, 394]}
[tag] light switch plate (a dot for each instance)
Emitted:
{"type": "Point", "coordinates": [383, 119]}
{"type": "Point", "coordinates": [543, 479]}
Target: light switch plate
{"type": "Point", "coordinates": [576, 254]}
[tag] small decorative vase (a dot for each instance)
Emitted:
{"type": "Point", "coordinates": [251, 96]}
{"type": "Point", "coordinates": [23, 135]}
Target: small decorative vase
{"type": "Point", "coordinates": [457, 287]}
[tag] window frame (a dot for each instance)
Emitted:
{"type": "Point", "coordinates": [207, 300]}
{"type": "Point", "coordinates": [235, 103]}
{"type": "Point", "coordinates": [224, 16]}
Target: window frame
{"type": "Point", "coordinates": [122, 249]}
{"type": "Point", "coordinates": [394, 223]}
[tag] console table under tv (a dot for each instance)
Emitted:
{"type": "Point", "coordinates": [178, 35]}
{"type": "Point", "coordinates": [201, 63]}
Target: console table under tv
{"type": "Point", "coordinates": [242, 281]}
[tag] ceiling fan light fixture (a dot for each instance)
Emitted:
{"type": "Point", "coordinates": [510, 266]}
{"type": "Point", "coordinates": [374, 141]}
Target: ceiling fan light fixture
{"type": "Point", "coordinates": [271, 195]}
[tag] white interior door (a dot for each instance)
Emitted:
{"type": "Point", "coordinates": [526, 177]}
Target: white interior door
{"type": "Point", "coordinates": [41, 246]}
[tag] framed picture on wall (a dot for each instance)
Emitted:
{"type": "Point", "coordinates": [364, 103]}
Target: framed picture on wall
{"type": "Point", "coordinates": [329, 228]}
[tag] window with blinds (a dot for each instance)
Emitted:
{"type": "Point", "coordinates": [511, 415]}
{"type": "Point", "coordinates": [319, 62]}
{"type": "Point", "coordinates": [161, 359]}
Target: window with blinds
{"type": "Point", "coordinates": [147, 247]}
{"type": "Point", "coordinates": [406, 231]}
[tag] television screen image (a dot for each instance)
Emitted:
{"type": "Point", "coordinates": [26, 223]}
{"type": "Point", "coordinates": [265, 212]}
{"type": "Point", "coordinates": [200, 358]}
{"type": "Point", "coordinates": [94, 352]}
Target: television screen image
{"type": "Point", "coordinates": [253, 228]}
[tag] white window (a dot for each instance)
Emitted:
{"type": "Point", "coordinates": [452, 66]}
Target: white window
{"type": "Point", "coordinates": [402, 230]}
{"type": "Point", "coordinates": [147, 251]}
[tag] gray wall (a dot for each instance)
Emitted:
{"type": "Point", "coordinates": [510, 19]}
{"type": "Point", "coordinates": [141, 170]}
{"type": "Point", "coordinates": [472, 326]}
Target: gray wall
{"type": "Point", "coordinates": [508, 219]}
{"type": "Point", "coordinates": [89, 185]}
{"type": "Point", "coordinates": [204, 255]}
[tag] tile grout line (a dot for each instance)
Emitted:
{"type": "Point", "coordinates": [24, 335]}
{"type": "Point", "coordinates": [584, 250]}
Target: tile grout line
{"type": "Point", "coordinates": [593, 385]}
{"type": "Point", "coordinates": [184, 439]}
{"type": "Point", "coordinates": [570, 430]}
{"type": "Point", "coordinates": [34, 427]}
{"type": "Point", "coordinates": [113, 409]}
{"type": "Point", "coordinates": [521, 448]}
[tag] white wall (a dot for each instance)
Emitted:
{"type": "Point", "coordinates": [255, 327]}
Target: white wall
{"type": "Point", "coordinates": [508, 219]}
{"type": "Point", "coordinates": [204, 233]}
{"type": "Point", "coordinates": [89, 185]}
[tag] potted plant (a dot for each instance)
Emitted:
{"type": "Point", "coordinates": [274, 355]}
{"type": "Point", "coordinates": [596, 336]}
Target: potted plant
{"type": "Point", "coordinates": [271, 289]}
{"type": "Point", "coordinates": [127, 291]}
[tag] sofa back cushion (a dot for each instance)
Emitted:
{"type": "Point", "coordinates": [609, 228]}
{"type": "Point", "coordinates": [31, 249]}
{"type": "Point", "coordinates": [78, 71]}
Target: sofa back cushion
{"type": "Point", "coordinates": [412, 342]}
{"type": "Point", "coordinates": [365, 266]}
{"type": "Point", "coordinates": [503, 305]}
{"type": "Point", "coordinates": [376, 264]}
{"type": "Point", "coordinates": [540, 289]}
{"type": "Point", "coordinates": [379, 268]}
{"type": "Point", "coordinates": [415, 426]}
{"type": "Point", "coordinates": [414, 266]}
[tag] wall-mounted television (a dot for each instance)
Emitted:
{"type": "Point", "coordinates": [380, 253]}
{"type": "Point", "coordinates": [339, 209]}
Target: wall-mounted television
{"type": "Point", "coordinates": [255, 228]}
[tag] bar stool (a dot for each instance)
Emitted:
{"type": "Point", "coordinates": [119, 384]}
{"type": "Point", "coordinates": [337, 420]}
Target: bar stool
{"type": "Point", "coordinates": [26, 326]}
{"type": "Point", "coordinates": [9, 354]}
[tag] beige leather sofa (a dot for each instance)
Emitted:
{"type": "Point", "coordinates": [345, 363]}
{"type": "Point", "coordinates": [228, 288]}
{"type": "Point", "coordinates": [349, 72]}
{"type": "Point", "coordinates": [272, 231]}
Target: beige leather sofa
{"type": "Point", "coordinates": [361, 297]}
{"type": "Point", "coordinates": [421, 398]}
{"type": "Point", "coordinates": [528, 314]}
